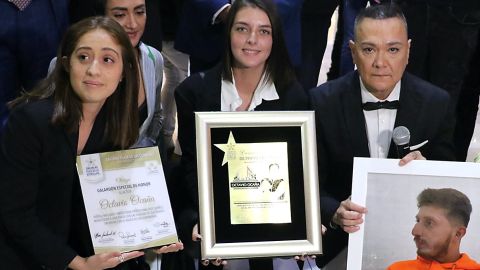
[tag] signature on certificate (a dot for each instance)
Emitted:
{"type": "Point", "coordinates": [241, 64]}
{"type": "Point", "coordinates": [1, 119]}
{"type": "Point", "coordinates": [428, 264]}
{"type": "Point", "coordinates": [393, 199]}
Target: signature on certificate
{"type": "Point", "coordinates": [104, 234]}
{"type": "Point", "coordinates": [127, 235]}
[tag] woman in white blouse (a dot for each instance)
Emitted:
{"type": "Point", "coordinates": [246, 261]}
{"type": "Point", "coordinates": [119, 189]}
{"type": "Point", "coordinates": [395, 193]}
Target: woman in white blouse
{"type": "Point", "coordinates": [254, 75]}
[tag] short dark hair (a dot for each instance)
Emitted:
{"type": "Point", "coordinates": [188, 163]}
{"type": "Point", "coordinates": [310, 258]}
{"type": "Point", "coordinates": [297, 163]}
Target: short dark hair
{"type": "Point", "coordinates": [121, 127]}
{"type": "Point", "coordinates": [456, 203]}
{"type": "Point", "coordinates": [278, 67]}
{"type": "Point", "coordinates": [380, 12]}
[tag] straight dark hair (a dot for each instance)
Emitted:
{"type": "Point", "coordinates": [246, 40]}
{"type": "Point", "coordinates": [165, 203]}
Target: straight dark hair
{"type": "Point", "coordinates": [121, 127]}
{"type": "Point", "coordinates": [278, 66]}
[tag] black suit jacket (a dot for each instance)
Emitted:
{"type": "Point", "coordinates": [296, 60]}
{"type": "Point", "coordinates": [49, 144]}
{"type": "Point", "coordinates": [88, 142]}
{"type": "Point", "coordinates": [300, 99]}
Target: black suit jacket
{"type": "Point", "coordinates": [41, 207]}
{"type": "Point", "coordinates": [60, 10]}
{"type": "Point", "coordinates": [341, 133]}
{"type": "Point", "coordinates": [202, 92]}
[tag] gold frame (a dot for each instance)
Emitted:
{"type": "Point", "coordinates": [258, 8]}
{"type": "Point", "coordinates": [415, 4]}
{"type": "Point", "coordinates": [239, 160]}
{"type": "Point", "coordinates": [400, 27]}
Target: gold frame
{"type": "Point", "coordinates": [303, 119]}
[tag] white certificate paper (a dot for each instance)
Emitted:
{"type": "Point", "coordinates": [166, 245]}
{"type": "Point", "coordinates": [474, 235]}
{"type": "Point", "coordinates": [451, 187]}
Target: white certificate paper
{"type": "Point", "coordinates": [126, 200]}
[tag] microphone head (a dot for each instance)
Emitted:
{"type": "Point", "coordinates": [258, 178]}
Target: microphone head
{"type": "Point", "coordinates": [401, 135]}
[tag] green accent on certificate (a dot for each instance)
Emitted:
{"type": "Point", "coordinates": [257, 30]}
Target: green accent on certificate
{"type": "Point", "coordinates": [126, 200]}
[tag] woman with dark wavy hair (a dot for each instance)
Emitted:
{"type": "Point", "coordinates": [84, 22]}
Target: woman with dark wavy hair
{"type": "Point", "coordinates": [255, 75]}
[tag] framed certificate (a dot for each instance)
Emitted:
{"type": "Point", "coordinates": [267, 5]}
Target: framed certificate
{"type": "Point", "coordinates": [390, 194]}
{"type": "Point", "coordinates": [258, 184]}
{"type": "Point", "coordinates": [126, 200]}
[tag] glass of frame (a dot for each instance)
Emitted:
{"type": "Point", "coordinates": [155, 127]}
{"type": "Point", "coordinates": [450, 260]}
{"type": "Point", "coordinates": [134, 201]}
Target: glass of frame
{"type": "Point", "coordinates": [241, 213]}
{"type": "Point", "coordinates": [390, 194]}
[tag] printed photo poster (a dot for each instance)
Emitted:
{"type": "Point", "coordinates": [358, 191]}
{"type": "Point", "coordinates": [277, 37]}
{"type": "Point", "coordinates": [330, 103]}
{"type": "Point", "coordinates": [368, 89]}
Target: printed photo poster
{"type": "Point", "coordinates": [389, 192]}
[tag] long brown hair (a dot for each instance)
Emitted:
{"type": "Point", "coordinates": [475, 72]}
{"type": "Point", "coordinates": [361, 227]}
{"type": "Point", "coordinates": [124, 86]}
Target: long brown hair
{"type": "Point", "coordinates": [278, 67]}
{"type": "Point", "coordinates": [121, 127]}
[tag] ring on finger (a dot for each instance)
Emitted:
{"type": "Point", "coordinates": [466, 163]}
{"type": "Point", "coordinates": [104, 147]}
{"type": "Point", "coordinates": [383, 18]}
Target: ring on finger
{"type": "Point", "coordinates": [121, 259]}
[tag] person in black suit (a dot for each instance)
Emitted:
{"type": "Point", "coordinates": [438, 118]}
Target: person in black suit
{"type": "Point", "coordinates": [315, 22]}
{"type": "Point", "coordinates": [255, 75]}
{"type": "Point", "coordinates": [29, 39]}
{"type": "Point", "coordinates": [346, 130]}
{"type": "Point", "coordinates": [88, 105]}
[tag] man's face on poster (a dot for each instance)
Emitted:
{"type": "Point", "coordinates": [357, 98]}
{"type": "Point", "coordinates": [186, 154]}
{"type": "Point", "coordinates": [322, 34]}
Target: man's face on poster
{"type": "Point", "coordinates": [434, 234]}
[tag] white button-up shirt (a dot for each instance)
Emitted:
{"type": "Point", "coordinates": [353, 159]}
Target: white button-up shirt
{"type": "Point", "coordinates": [230, 100]}
{"type": "Point", "coordinates": [379, 123]}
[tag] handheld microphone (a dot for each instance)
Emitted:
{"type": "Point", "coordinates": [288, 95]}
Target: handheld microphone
{"type": "Point", "coordinates": [401, 138]}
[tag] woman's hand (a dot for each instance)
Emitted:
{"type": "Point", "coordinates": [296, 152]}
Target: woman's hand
{"type": "Point", "coordinates": [103, 260]}
{"type": "Point", "coordinates": [170, 248]}
{"type": "Point", "coordinates": [197, 237]}
{"type": "Point", "coordinates": [216, 262]}
{"type": "Point", "coordinates": [304, 257]}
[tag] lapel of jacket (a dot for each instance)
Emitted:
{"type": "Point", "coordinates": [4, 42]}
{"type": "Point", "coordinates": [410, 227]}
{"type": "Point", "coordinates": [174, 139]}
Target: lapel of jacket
{"type": "Point", "coordinates": [410, 103]}
{"type": "Point", "coordinates": [354, 118]}
{"type": "Point", "coordinates": [212, 80]}
{"type": "Point", "coordinates": [72, 140]}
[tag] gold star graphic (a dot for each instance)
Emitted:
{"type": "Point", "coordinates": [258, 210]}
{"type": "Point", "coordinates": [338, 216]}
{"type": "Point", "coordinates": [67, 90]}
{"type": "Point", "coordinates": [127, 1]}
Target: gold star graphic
{"type": "Point", "coordinates": [229, 148]}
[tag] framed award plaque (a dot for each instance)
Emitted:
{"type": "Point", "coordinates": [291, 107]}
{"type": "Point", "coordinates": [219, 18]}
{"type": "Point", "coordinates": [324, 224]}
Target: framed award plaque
{"type": "Point", "coordinates": [258, 184]}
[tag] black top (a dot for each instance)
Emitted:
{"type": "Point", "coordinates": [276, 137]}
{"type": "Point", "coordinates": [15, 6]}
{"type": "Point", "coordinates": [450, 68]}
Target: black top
{"type": "Point", "coordinates": [42, 215]}
{"type": "Point", "coordinates": [202, 92]}
{"type": "Point", "coordinates": [142, 113]}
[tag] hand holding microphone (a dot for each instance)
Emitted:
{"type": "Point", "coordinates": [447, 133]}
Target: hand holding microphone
{"type": "Point", "coordinates": [401, 138]}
